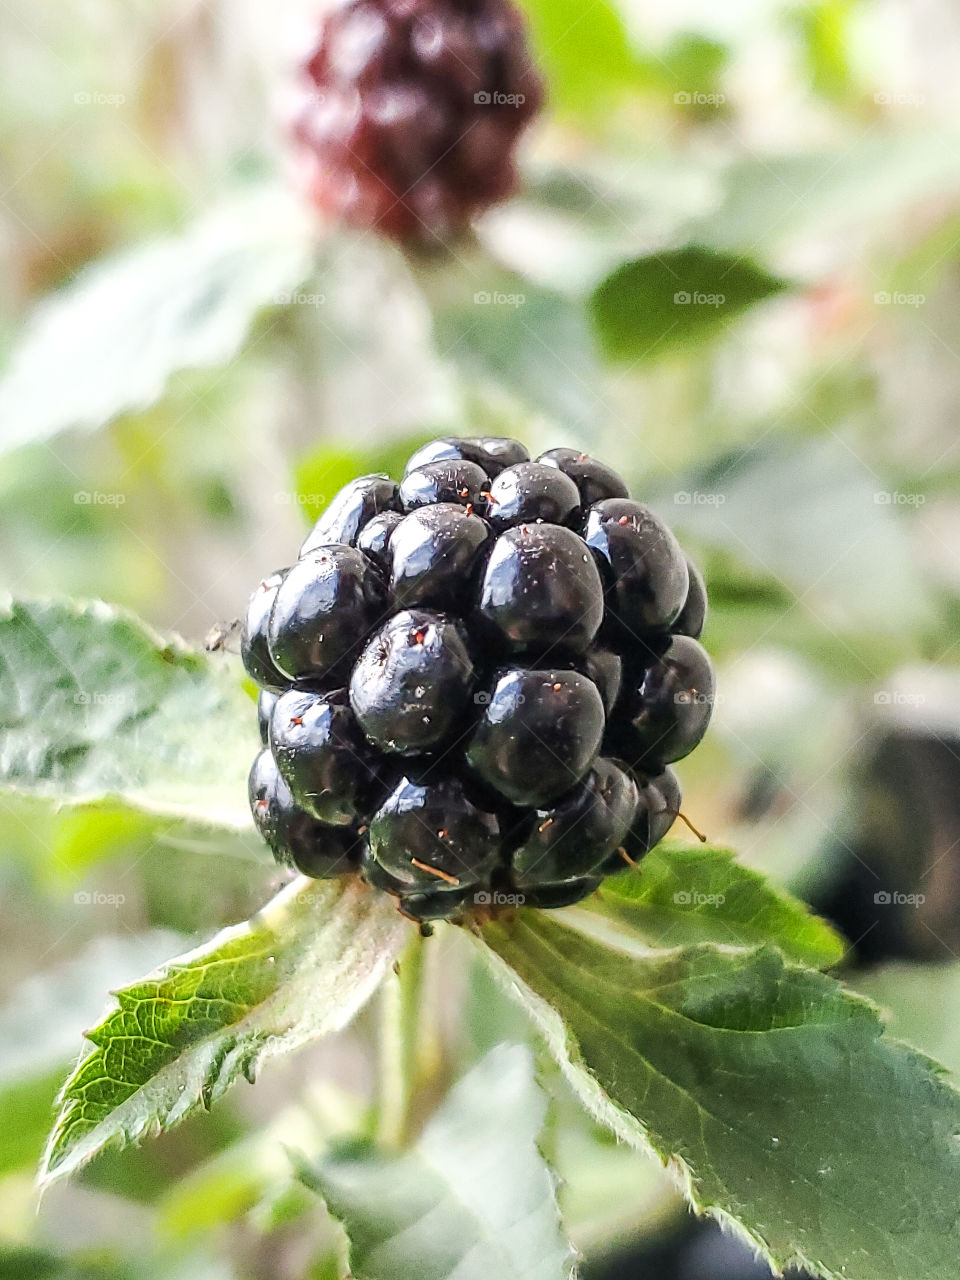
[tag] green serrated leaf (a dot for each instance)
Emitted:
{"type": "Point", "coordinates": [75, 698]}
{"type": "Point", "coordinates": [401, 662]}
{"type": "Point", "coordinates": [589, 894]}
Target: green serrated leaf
{"type": "Point", "coordinates": [684, 895]}
{"type": "Point", "coordinates": [94, 706]}
{"type": "Point", "coordinates": [771, 1091]}
{"type": "Point", "coordinates": [674, 299]}
{"type": "Point", "coordinates": [297, 970]}
{"type": "Point", "coordinates": [126, 325]}
{"type": "Point", "coordinates": [473, 1198]}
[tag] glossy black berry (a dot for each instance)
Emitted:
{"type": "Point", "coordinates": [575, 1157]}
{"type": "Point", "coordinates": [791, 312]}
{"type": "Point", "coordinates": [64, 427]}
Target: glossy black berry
{"type": "Point", "coordinates": [254, 645]}
{"type": "Point", "coordinates": [265, 704]}
{"type": "Point", "coordinates": [529, 492]}
{"type": "Point", "coordinates": [645, 571]}
{"type": "Point", "coordinates": [472, 693]}
{"type": "Point", "coordinates": [350, 510]}
{"type": "Point", "coordinates": [605, 669]}
{"type": "Point", "coordinates": [411, 689]}
{"type": "Point", "coordinates": [594, 480]}
{"type": "Point", "coordinates": [491, 453]}
{"type": "Point", "coordinates": [693, 615]}
{"type": "Point", "coordinates": [323, 611]}
{"type": "Point", "coordinates": [658, 805]}
{"type": "Point", "coordinates": [449, 480]}
{"type": "Point", "coordinates": [541, 591]}
{"type": "Point", "coordinates": [436, 553]}
{"type": "Point", "coordinates": [666, 705]}
{"type": "Point", "coordinates": [375, 537]}
{"type": "Point", "coordinates": [431, 838]}
{"type": "Point", "coordinates": [295, 837]}
{"type": "Point", "coordinates": [572, 839]}
{"type": "Point", "coordinates": [539, 733]}
{"type": "Point", "coordinates": [321, 754]}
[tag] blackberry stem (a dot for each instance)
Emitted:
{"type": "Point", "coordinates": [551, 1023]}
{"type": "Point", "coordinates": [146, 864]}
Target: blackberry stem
{"type": "Point", "coordinates": [401, 1049]}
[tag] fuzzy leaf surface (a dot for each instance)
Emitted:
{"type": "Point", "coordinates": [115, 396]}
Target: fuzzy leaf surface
{"type": "Point", "coordinates": [299, 969]}
{"type": "Point", "coordinates": [771, 1090]}
{"type": "Point", "coordinates": [472, 1199]}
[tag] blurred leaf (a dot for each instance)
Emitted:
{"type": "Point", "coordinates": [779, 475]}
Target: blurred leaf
{"type": "Point", "coordinates": [825, 30]}
{"type": "Point", "coordinates": [512, 335]}
{"type": "Point", "coordinates": [94, 1264]}
{"type": "Point", "coordinates": [96, 707]}
{"type": "Point", "coordinates": [921, 1001]}
{"type": "Point", "coordinates": [110, 342]}
{"type": "Point", "coordinates": [584, 55]}
{"type": "Point", "coordinates": [325, 471]}
{"type": "Point", "coordinates": [692, 63]}
{"type": "Point", "coordinates": [297, 970]}
{"type": "Point", "coordinates": [673, 299]}
{"type": "Point", "coordinates": [771, 199]}
{"type": "Point", "coordinates": [815, 518]}
{"type": "Point", "coordinates": [255, 1175]}
{"type": "Point", "coordinates": [46, 1015]}
{"type": "Point", "coordinates": [770, 1088]}
{"type": "Point", "coordinates": [473, 1198]}
{"type": "Point", "coordinates": [684, 895]}
{"type": "Point", "coordinates": [34, 1264]}
{"type": "Point", "coordinates": [27, 1106]}
{"type": "Point", "coordinates": [570, 227]}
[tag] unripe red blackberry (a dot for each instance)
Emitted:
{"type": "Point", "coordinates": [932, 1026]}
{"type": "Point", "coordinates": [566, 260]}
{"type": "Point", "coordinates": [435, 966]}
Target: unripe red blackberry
{"type": "Point", "coordinates": [411, 110]}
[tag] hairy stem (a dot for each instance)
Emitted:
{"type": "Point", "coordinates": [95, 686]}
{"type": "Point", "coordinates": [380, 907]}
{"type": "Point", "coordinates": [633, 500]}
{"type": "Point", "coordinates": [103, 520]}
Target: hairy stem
{"type": "Point", "coordinates": [400, 1052]}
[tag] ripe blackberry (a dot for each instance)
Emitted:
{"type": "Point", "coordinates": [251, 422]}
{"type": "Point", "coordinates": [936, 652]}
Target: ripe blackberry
{"type": "Point", "coordinates": [410, 113]}
{"type": "Point", "coordinates": [472, 683]}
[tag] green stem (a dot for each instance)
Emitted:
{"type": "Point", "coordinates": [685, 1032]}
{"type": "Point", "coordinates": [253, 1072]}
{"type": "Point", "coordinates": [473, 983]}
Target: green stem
{"type": "Point", "coordinates": [399, 1049]}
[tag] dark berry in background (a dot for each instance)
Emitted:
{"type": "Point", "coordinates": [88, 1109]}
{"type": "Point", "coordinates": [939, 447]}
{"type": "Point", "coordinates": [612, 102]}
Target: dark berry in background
{"type": "Point", "coordinates": [473, 681]}
{"type": "Point", "coordinates": [409, 113]}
